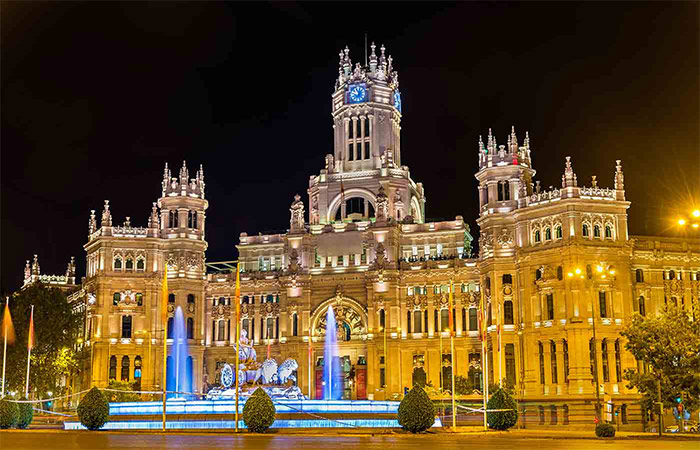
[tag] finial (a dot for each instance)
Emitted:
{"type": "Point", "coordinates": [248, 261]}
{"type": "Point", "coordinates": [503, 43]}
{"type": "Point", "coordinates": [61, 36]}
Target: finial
{"type": "Point", "coordinates": [373, 47]}
{"type": "Point", "coordinates": [594, 182]}
{"type": "Point", "coordinates": [619, 176]}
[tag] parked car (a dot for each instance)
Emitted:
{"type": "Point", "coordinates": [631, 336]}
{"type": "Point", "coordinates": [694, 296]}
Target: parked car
{"type": "Point", "coordinates": [690, 427]}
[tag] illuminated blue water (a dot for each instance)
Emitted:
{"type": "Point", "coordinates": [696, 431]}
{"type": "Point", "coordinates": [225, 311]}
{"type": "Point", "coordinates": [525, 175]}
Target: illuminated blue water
{"type": "Point", "coordinates": [332, 377]}
{"type": "Point", "coordinates": [179, 362]}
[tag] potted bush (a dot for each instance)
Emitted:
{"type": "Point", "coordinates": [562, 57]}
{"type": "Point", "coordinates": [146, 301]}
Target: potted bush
{"type": "Point", "coordinates": [93, 410]}
{"type": "Point", "coordinates": [9, 413]}
{"type": "Point", "coordinates": [258, 412]}
{"type": "Point", "coordinates": [416, 411]}
{"type": "Point", "coordinates": [605, 430]}
{"type": "Point", "coordinates": [502, 420]}
{"type": "Point", "coordinates": [25, 414]}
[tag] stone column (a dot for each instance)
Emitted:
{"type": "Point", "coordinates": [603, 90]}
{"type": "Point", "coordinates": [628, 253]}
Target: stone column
{"type": "Point", "coordinates": [561, 370]}
{"type": "Point", "coordinates": [458, 319]}
{"type": "Point", "coordinates": [431, 321]}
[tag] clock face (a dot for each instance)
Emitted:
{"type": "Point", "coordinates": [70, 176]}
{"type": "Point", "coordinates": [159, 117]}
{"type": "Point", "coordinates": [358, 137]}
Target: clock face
{"type": "Point", "coordinates": [227, 376]}
{"type": "Point", "coordinates": [357, 93]}
{"type": "Point", "coordinates": [397, 100]}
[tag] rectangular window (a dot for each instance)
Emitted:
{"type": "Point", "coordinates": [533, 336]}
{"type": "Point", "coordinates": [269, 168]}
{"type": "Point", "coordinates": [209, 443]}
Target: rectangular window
{"type": "Point", "coordinates": [550, 306]}
{"type": "Point", "coordinates": [126, 326]}
{"type": "Point", "coordinates": [382, 377]}
{"type": "Point", "coordinates": [510, 364]}
{"type": "Point", "coordinates": [444, 319]}
{"type": "Point", "coordinates": [618, 362]}
{"type": "Point", "coordinates": [604, 357]}
{"type": "Point", "coordinates": [553, 350]}
{"type": "Point", "coordinates": [350, 125]}
{"type": "Point", "coordinates": [359, 151]}
{"type": "Point", "coordinates": [464, 319]}
{"type": "Point", "coordinates": [426, 250]}
{"type": "Point", "coordinates": [566, 361]}
{"type": "Point", "coordinates": [603, 304]}
{"type": "Point", "coordinates": [351, 153]}
{"type": "Point", "coordinates": [473, 320]}
{"type": "Point", "coordinates": [541, 363]}
{"type": "Point", "coordinates": [366, 120]}
{"type": "Point", "coordinates": [439, 249]}
{"type": "Point", "coordinates": [367, 151]}
{"type": "Point", "coordinates": [295, 325]}
{"type": "Point", "coordinates": [417, 322]}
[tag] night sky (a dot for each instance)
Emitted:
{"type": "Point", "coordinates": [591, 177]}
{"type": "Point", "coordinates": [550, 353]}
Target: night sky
{"type": "Point", "coordinates": [96, 97]}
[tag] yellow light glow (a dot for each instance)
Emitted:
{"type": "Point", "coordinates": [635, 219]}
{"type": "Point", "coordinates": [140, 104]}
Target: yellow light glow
{"type": "Point", "coordinates": [603, 276]}
{"type": "Point", "coordinates": [681, 221]}
{"type": "Point", "coordinates": [696, 213]}
{"type": "Point", "coordinates": [600, 268]}
{"type": "Point", "coordinates": [612, 272]}
{"type": "Point", "coordinates": [570, 274]}
{"type": "Point", "coordinates": [578, 271]}
{"type": "Point", "coordinates": [695, 225]}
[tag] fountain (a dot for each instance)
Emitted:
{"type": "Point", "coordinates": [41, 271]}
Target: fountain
{"type": "Point", "coordinates": [332, 377]}
{"type": "Point", "coordinates": [179, 362]}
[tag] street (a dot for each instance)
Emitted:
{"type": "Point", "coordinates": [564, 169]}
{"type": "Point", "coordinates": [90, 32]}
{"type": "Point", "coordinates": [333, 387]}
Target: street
{"type": "Point", "coordinates": [66, 440]}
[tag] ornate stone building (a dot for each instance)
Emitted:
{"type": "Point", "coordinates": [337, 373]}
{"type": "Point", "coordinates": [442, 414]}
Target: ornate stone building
{"type": "Point", "coordinates": [554, 267]}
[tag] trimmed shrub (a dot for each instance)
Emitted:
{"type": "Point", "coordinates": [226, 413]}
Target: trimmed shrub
{"type": "Point", "coordinates": [503, 420]}
{"type": "Point", "coordinates": [416, 411]}
{"type": "Point", "coordinates": [93, 410]}
{"type": "Point", "coordinates": [604, 430]}
{"type": "Point", "coordinates": [9, 413]}
{"type": "Point", "coordinates": [25, 414]}
{"type": "Point", "coordinates": [258, 412]}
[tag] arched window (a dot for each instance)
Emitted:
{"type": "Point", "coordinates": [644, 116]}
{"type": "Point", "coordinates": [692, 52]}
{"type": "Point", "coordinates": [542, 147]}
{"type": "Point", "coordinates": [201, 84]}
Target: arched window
{"type": "Point", "coordinates": [113, 368]}
{"type": "Point", "coordinates": [170, 327]}
{"type": "Point", "coordinates": [596, 231]}
{"type": "Point", "coordinates": [125, 368]}
{"type": "Point", "coordinates": [671, 275]}
{"type": "Point", "coordinates": [585, 230]}
{"type": "Point", "coordinates": [639, 274]}
{"type": "Point", "coordinates": [538, 237]}
{"type": "Point", "coordinates": [171, 298]}
{"type": "Point", "coordinates": [642, 306]}
{"type": "Point", "coordinates": [117, 263]}
{"type": "Point", "coordinates": [473, 320]}
{"type": "Point", "coordinates": [192, 219]}
{"type": "Point", "coordinates": [129, 264]}
{"type": "Point", "coordinates": [270, 299]}
{"type": "Point", "coordinates": [137, 369]}
{"type": "Point", "coordinates": [116, 298]}
{"type": "Point", "coordinates": [140, 264]}
{"type": "Point", "coordinates": [508, 312]}
{"type": "Point", "coordinates": [608, 232]}
{"type": "Point", "coordinates": [559, 233]}
{"type": "Point", "coordinates": [190, 328]}
{"type": "Point", "coordinates": [190, 299]}
{"type": "Point", "coordinates": [553, 414]}
{"type": "Point", "coordinates": [548, 234]}
{"type": "Point", "coordinates": [245, 300]}
{"type": "Point", "coordinates": [139, 299]}
{"type": "Point", "coordinates": [565, 413]}
{"type": "Point", "coordinates": [126, 327]}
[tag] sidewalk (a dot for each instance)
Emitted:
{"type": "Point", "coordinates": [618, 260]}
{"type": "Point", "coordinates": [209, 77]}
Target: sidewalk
{"type": "Point", "coordinates": [570, 434]}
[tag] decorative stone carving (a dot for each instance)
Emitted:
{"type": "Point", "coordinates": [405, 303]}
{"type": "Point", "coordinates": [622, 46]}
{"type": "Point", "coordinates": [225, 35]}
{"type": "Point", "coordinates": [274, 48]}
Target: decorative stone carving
{"type": "Point", "coordinates": [505, 238]}
{"type": "Point", "coordinates": [220, 312]}
{"type": "Point", "coordinates": [382, 211]}
{"type": "Point", "coordinates": [296, 221]}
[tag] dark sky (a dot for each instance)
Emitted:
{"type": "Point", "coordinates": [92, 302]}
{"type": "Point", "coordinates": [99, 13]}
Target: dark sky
{"type": "Point", "coordinates": [96, 97]}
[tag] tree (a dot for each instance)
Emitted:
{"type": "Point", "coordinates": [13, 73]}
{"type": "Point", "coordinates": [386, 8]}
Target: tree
{"type": "Point", "coordinates": [669, 348]}
{"type": "Point", "coordinates": [462, 385]}
{"type": "Point", "coordinates": [259, 412]}
{"type": "Point", "coordinates": [56, 329]}
{"type": "Point", "coordinates": [502, 420]}
{"type": "Point", "coordinates": [93, 410]}
{"type": "Point", "coordinates": [416, 411]}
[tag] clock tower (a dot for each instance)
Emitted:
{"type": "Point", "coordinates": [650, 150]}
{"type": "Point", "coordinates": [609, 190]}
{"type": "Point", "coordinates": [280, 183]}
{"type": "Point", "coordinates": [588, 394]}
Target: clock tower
{"type": "Point", "coordinates": [366, 113]}
{"type": "Point", "coordinates": [363, 179]}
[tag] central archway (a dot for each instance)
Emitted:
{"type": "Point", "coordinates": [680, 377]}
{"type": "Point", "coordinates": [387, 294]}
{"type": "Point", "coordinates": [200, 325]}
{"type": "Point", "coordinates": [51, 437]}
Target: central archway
{"type": "Point", "coordinates": [349, 194]}
{"type": "Point", "coordinates": [350, 316]}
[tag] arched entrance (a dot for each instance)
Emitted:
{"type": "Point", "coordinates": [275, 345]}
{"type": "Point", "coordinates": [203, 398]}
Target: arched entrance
{"type": "Point", "coordinates": [351, 329]}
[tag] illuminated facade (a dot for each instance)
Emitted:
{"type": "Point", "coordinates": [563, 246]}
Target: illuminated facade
{"type": "Point", "coordinates": [552, 263]}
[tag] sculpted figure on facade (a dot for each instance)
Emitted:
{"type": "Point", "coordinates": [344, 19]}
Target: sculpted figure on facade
{"type": "Point", "coordinates": [296, 221]}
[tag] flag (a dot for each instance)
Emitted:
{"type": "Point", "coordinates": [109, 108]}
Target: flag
{"type": "Point", "coordinates": [31, 340]}
{"type": "Point", "coordinates": [164, 295]}
{"type": "Point", "coordinates": [8, 330]}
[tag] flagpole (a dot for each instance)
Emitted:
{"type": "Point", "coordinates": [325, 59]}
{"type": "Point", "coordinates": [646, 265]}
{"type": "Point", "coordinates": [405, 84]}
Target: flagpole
{"type": "Point", "coordinates": [238, 333]}
{"type": "Point", "coordinates": [454, 365]}
{"type": "Point", "coordinates": [4, 353]}
{"type": "Point", "coordinates": [164, 321]}
{"type": "Point", "coordinates": [29, 350]}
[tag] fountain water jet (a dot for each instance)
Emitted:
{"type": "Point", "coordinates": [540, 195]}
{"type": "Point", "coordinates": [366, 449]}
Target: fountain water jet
{"type": "Point", "coordinates": [179, 362]}
{"type": "Point", "coordinates": [332, 378]}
